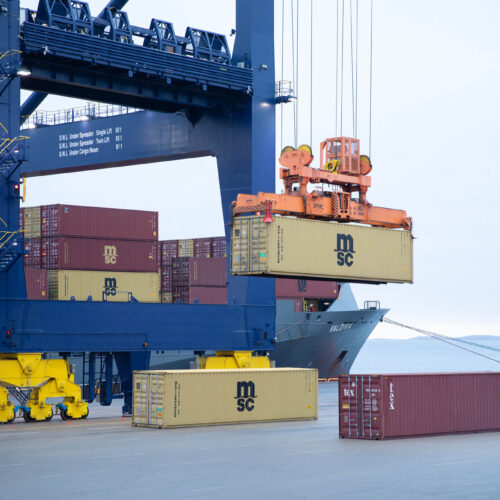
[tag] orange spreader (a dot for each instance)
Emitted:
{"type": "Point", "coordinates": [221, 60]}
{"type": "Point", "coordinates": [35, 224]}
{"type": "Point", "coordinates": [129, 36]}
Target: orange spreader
{"type": "Point", "coordinates": [340, 192]}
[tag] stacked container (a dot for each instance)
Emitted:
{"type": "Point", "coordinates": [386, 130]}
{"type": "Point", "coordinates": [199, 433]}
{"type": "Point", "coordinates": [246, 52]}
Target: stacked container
{"type": "Point", "coordinates": [101, 254]}
{"type": "Point", "coordinates": [199, 280]}
{"type": "Point", "coordinates": [306, 293]}
{"type": "Point", "coordinates": [193, 271]}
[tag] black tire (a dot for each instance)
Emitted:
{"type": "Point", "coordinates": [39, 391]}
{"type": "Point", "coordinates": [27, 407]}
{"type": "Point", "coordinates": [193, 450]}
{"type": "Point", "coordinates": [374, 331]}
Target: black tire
{"type": "Point", "coordinates": [27, 417]}
{"type": "Point", "coordinates": [65, 416]}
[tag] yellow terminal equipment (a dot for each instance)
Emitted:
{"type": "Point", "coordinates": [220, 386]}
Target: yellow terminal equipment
{"type": "Point", "coordinates": [44, 378]}
{"type": "Point", "coordinates": [233, 360]}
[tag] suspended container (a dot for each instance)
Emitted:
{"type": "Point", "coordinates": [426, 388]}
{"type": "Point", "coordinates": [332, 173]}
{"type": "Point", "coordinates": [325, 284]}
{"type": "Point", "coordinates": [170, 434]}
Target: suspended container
{"type": "Point", "coordinates": [405, 405]}
{"type": "Point", "coordinates": [306, 248]}
{"type": "Point", "coordinates": [181, 398]}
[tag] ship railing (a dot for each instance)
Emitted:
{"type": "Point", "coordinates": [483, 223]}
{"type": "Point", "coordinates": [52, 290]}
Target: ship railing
{"type": "Point", "coordinates": [90, 111]}
{"type": "Point", "coordinates": [372, 305]}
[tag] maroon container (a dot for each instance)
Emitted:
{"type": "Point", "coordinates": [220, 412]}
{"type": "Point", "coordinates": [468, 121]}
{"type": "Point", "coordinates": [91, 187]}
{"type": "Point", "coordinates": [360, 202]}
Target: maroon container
{"type": "Point", "coordinates": [203, 247]}
{"type": "Point", "coordinates": [310, 289]}
{"type": "Point", "coordinates": [99, 255]}
{"type": "Point", "coordinates": [219, 247]}
{"type": "Point", "coordinates": [36, 284]}
{"type": "Point", "coordinates": [168, 251]}
{"type": "Point", "coordinates": [94, 222]}
{"type": "Point", "coordinates": [198, 271]}
{"type": "Point", "coordinates": [390, 406]}
{"type": "Point", "coordinates": [166, 279]}
{"type": "Point", "coordinates": [199, 294]}
{"type": "Point", "coordinates": [33, 257]}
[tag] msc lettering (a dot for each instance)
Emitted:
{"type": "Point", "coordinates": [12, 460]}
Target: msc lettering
{"type": "Point", "coordinates": [245, 396]}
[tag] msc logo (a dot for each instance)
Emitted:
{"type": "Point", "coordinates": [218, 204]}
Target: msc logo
{"type": "Point", "coordinates": [245, 396]}
{"type": "Point", "coordinates": [301, 285]}
{"type": "Point", "coordinates": [345, 250]}
{"type": "Point", "coordinates": [110, 286]}
{"type": "Point", "coordinates": [110, 254]}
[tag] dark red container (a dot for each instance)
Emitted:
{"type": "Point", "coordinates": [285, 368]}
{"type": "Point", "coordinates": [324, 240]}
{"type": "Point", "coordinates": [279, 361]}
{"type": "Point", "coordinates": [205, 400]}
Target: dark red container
{"type": "Point", "coordinates": [36, 284]}
{"type": "Point", "coordinates": [166, 279]}
{"type": "Point", "coordinates": [198, 271]}
{"type": "Point", "coordinates": [404, 405]}
{"type": "Point", "coordinates": [33, 257]}
{"type": "Point", "coordinates": [311, 289]}
{"type": "Point", "coordinates": [203, 247]}
{"type": "Point", "coordinates": [95, 222]}
{"type": "Point", "coordinates": [219, 247]}
{"type": "Point", "coordinates": [168, 251]}
{"type": "Point", "coordinates": [199, 294]}
{"type": "Point", "coordinates": [99, 255]}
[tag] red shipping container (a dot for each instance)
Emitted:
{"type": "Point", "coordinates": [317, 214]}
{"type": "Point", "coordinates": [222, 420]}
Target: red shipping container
{"type": "Point", "coordinates": [198, 271]}
{"type": "Point", "coordinates": [199, 294]}
{"type": "Point", "coordinates": [33, 257]}
{"type": "Point", "coordinates": [311, 289]}
{"type": "Point", "coordinates": [203, 247]}
{"type": "Point", "coordinates": [404, 405]}
{"type": "Point", "coordinates": [219, 247]}
{"type": "Point", "coordinates": [168, 251]}
{"type": "Point", "coordinates": [166, 279]}
{"type": "Point", "coordinates": [95, 222]}
{"type": "Point", "coordinates": [36, 284]}
{"type": "Point", "coordinates": [99, 255]}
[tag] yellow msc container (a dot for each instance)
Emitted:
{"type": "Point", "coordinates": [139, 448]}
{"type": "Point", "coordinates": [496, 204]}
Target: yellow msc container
{"type": "Point", "coordinates": [305, 248]}
{"type": "Point", "coordinates": [105, 286]}
{"type": "Point", "coordinates": [185, 248]}
{"type": "Point", "coordinates": [180, 398]}
{"type": "Point", "coordinates": [31, 222]}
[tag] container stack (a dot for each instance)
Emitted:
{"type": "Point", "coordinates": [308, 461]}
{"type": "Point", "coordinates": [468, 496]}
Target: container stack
{"type": "Point", "coordinates": [308, 295]}
{"type": "Point", "coordinates": [91, 253]}
{"type": "Point", "coordinates": [199, 280]}
{"type": "Point", "coordinates": [193, 271]}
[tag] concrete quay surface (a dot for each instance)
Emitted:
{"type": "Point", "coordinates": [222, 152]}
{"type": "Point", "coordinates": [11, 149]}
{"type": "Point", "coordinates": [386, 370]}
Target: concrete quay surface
{"type": "Point", "coordinates": [105, 457]}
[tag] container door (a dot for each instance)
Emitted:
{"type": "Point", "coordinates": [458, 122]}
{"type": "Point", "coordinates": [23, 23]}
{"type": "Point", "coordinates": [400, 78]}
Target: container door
{"type": "Point", "coordinates": [359, 407]}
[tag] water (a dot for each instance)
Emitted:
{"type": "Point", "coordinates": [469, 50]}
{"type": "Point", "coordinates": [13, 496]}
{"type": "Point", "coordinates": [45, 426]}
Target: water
{"type": "Point", "coordinates": [424, 354]}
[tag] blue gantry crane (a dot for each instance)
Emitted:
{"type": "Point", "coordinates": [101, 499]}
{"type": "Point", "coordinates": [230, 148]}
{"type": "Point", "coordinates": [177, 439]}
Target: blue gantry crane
{"type": "Point", "coordinates": [199, 99]}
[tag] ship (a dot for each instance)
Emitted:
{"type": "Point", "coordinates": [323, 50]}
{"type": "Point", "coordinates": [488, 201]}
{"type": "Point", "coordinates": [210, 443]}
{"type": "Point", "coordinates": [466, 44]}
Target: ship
{"type": "Point", "coordinates": [327, 336]}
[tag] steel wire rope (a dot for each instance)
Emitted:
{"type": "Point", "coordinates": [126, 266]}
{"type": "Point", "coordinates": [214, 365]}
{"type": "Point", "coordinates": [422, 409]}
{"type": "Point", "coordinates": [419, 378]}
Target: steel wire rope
{"type": "Point", "coordinates": [337, 72]}
{"type": "Point", "coordinates": [311, 84]}
{"type": "Point", "coordinates": [293, 79]}
{"type": "Point", "coordinates": [297, 72]}
{"type": "Point", "coordinates": [282, 67]}
{"type": "Point", "coordinates": [446, 339]}
{"type": "Point", "coordinates": [371, 81]}
{"type": "Point", "coordinates": [342, 70]}
{"type": "Point", "coordinates": [352, 69]}
{"type": "Point", "coordinates": [357, 45]}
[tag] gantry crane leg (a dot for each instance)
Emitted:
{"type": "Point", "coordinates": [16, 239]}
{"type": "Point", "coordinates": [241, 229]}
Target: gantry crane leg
{"type": "Point", "coordinates": [7, 413]}
{"type": "Point", "coordinates": [46, 378]}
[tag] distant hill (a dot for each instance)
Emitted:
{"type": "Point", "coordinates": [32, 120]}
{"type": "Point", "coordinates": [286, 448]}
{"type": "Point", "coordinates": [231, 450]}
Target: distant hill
{"type": "Point", "coordinates": [425, 354]}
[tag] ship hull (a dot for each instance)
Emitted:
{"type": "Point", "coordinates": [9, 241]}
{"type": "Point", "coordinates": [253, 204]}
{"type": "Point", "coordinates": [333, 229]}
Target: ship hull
{"type": "Point", "coordinates": [328, 340]}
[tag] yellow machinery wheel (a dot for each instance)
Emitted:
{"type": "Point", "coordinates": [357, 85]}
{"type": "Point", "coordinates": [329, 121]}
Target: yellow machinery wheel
{"type": "Point", "coordinates": [305, 147]}
{"type": "Point", "coordinates": [286, 149]}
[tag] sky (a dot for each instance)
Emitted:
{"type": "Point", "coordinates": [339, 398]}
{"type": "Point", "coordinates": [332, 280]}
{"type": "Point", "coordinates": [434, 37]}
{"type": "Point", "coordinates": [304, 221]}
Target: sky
{"type": "Point", "coordinates": [435, 121]}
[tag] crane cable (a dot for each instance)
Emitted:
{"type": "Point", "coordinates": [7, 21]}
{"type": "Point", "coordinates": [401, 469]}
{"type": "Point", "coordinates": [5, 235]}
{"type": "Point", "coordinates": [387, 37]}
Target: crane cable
{"type": "Point", "coordinates": [293, 77]}
{"type": "Point", "coordinates": [282, 67]}
{"type": "Point", "coordinates": [447, 339]}
{"type": "Point", "coordinates": [311, 84]}
{"type": "Point", "coordinates": [371, 81]}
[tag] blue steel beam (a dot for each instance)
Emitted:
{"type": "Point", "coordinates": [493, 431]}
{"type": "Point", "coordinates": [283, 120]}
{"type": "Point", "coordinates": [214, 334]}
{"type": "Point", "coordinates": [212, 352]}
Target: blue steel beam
{"type": "Point", "coordinates": [242, 139]}
{"type": "Point", "coordinates": [36, 98]}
